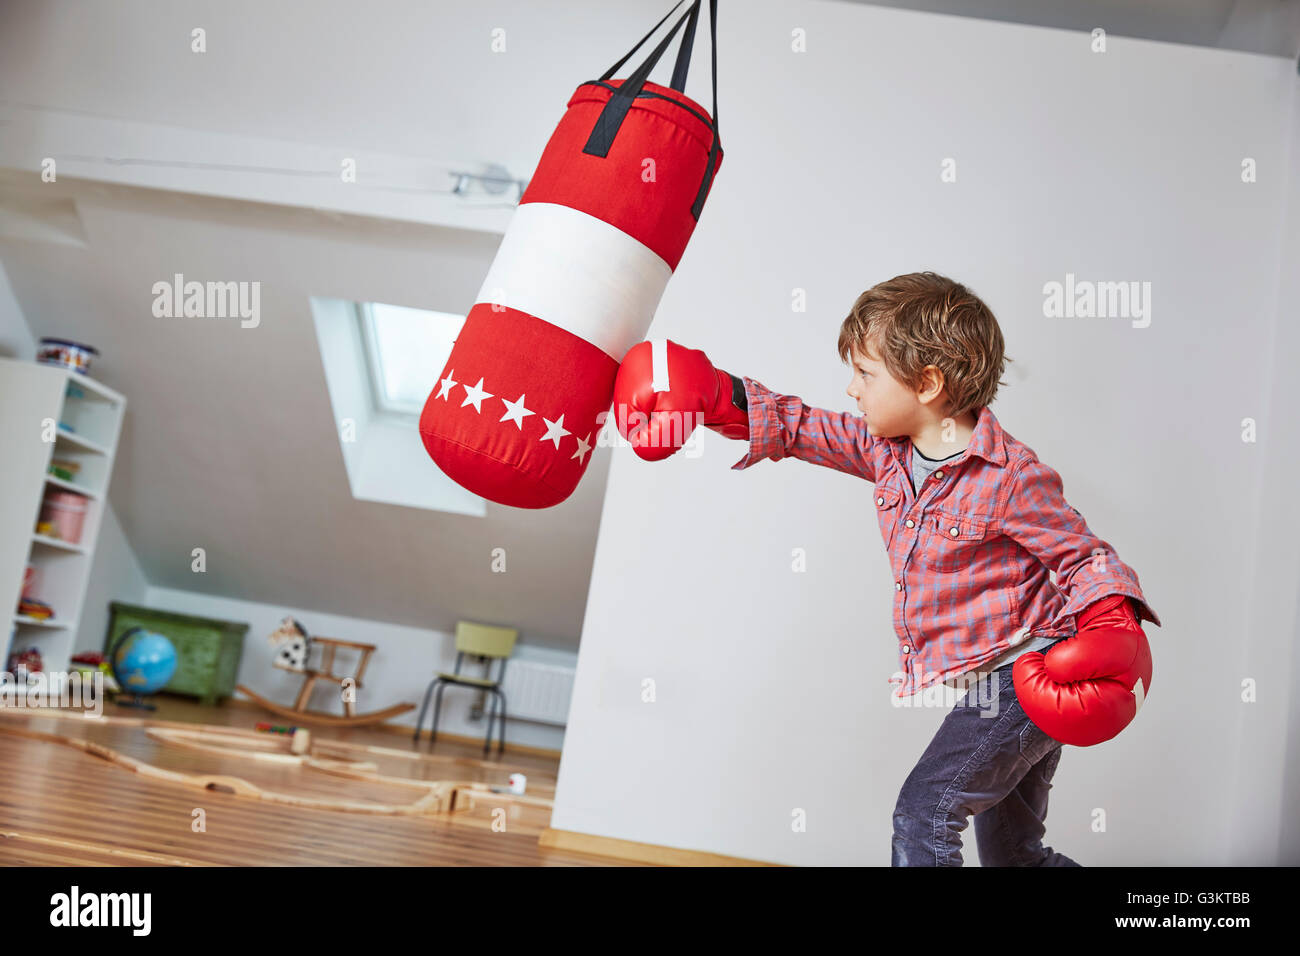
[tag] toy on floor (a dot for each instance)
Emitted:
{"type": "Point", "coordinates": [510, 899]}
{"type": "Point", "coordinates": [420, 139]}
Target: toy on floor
{"type": "Point", "coordinates": [299, 737]}
{"type": "Point", "coordinates": [263, 727]}
{"type": "Point", "coordinates": [518, 784]}
{"type": "Point", "coordinates": [293, 648]}
{"type": "Point", "coordinates": [88, 663]}
{"type": "Point", "coordinates": [143, 662]}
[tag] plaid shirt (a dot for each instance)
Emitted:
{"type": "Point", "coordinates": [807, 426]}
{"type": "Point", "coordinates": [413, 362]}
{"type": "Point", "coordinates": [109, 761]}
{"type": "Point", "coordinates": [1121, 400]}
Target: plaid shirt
{"type": "Point", "coordinates": [971, 553]}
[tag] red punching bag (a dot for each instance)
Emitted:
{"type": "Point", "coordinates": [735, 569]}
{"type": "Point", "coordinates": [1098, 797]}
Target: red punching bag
{"type": "Point", "coordinates": [576, 281]}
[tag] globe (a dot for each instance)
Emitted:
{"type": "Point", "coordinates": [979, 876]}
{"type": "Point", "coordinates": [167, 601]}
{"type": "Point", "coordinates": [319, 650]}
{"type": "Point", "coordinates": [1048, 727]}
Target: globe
{"type": "Point", "coordinates": [143, 662]}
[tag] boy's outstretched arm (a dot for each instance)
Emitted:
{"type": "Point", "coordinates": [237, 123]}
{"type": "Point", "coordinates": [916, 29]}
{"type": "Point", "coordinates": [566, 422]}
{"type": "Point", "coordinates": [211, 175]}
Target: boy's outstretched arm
{"type": "Point", "coordinates": [782, 426]}
{"type": "Point", "coordinates": [664, 390]}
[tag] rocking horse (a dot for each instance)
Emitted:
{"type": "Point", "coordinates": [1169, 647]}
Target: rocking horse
{"type": "Point", "coordinates": [293, 650]}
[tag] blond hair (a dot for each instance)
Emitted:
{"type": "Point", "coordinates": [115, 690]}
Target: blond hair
{"type": "Point", "coordinates": [921, 319]}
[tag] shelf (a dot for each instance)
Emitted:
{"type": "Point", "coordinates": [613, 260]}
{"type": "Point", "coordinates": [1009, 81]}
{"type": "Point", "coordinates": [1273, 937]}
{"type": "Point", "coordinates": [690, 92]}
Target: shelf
{"type": "Point", "coordinates": [88, 417]}
{"type": "Point", "coordinates": [52, 625]}
{"type": "Point", "coordinates": [72, 486]}
{"type": "Point", "coordinates": [94, 391]}
{"type": "Point", "coordinates": [76, 441]}
{"type": "Point", "coordinates": [59, 543]}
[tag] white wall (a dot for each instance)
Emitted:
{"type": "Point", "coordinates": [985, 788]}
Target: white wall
{"type": "Point", "coordinates": [1267, 734]}
{"type": "Point", "coordinates": [772, 685]}
{"type": "Point", "coordinates": [115, 575]}
{"type": "Point", "coordinates": [400, 670]}
{"type": "Point", "coordinates": [16, 339]}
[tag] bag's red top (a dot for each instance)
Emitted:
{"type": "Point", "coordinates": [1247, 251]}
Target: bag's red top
{"type": "Point", "coordinates": [648, 182]}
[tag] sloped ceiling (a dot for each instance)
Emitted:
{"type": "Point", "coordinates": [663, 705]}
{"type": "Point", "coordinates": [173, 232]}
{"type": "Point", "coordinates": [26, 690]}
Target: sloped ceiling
{"type": "Point", "coordinates": [229, 442]}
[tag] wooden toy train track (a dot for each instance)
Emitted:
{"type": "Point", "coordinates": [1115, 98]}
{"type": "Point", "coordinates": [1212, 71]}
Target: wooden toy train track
{"type": "Point", "coordinates": [427, 795]}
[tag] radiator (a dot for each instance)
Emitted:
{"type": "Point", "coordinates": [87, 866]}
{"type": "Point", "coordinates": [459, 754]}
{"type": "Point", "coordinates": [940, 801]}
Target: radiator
{"type": "Point", "coordinates": [537, 692]}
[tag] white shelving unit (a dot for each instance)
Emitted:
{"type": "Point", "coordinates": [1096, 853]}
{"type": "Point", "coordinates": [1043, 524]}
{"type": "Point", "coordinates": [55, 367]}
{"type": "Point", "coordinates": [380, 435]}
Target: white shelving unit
{"type": "Point", "coordinates": [48, 413]}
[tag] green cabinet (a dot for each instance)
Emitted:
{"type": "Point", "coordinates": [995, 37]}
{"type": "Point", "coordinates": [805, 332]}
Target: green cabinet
{"type": "Point", "coordinates": [207, 649]}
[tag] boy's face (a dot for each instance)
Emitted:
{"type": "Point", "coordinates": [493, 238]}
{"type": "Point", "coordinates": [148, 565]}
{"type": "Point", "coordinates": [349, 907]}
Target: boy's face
{"type": "Point", "coordinates": [889, 407]}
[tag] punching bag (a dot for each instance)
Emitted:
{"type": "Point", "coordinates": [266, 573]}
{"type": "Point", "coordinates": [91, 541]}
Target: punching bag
{"type": "Point", "coordinates": [576, 281]}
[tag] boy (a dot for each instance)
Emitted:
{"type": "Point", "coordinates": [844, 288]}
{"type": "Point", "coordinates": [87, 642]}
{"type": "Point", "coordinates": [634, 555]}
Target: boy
{"type": "Point", "coordinates": [974, 523]}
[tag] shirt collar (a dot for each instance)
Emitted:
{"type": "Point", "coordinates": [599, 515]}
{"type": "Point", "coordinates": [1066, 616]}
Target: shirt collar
{"type": "Point", "coordinates": [986, 440]}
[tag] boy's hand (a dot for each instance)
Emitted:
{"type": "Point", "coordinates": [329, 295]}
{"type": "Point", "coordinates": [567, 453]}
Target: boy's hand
{"type": "Point", "coordinates": [1087, 688]}
{"type": "Point", "coordinates": [663, 391]}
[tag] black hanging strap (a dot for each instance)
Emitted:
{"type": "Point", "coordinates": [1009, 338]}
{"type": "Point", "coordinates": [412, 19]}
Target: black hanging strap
{"type": "Point", "coordinates": [698, 206]}
{"type": "Point", "coordinates": [620, 101]}
{"type": "Point", "coordinates": [678, 82]}
{"type": "Point", "coordinates": [615, 111]}
{"type": "Point", "coordinates": [628, 55]}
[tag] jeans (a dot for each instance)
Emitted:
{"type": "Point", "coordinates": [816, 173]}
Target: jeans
{"type": "Point", "coordinates": [989, 760]}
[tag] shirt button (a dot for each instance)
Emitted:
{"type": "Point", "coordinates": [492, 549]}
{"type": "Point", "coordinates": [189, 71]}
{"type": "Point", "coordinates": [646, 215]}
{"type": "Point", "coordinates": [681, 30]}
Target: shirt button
{"type": "Point", "coordinates": [953, 532]}
{"type": "Point", "coordinates": [906, 649]}
{"type": "Point", "coordinates": [880, 500]}
{"type": "Point", "coordinates": [911, 523]}
{"type": "Point", "coordinates": [898, 585]}
{"type": "Point", "coordinates": [938, 474]}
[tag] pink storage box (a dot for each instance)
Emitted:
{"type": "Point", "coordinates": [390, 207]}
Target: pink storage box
{"type": "Point", "coordinates": [66, 510]}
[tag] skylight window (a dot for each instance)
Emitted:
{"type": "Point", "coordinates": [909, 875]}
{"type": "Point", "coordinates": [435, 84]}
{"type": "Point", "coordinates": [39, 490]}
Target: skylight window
{"type": "Point", "coordinates": [380, 363]}
{"type": "Point", "coordinates": [406, 349]}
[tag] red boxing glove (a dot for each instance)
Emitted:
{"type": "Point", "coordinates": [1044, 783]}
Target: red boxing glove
{"type": "Point", "coordinates": [663, 391]}
{"type": "Point", "coordinates": [1087, 688]}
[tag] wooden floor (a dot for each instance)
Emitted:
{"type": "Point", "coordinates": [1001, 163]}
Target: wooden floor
{"type": "Point", "coordinates": [60, 805]}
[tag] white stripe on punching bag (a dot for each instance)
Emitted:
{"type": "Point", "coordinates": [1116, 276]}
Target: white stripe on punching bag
{"type": "Point", "coordinates": [579, 273]}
